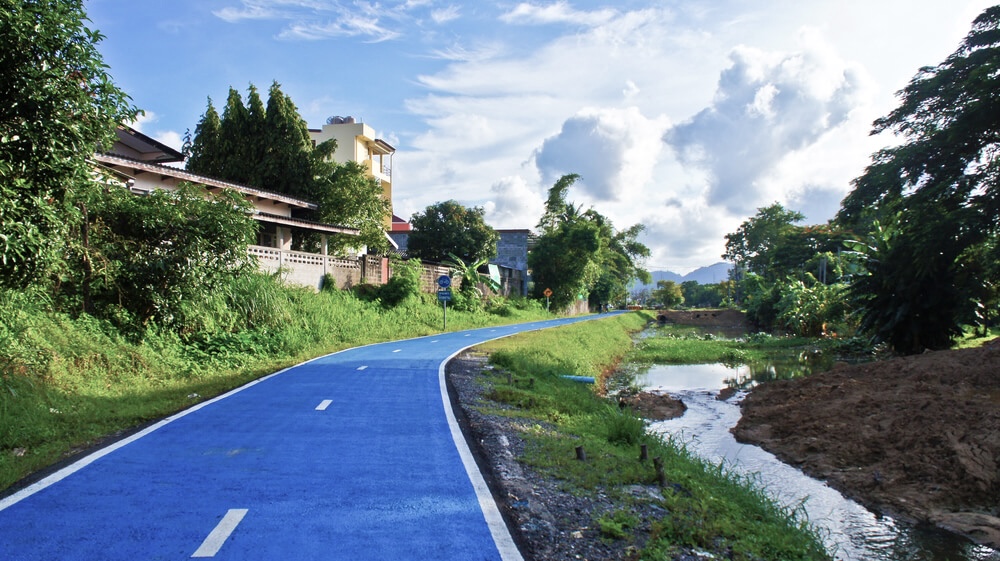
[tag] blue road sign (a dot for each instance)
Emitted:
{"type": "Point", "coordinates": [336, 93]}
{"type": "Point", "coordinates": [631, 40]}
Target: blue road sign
{"type": "Point", "coordinates": [444, 281]}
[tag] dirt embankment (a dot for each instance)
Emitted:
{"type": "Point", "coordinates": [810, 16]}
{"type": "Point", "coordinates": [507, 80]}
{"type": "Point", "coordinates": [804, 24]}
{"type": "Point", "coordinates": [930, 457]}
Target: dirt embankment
{"type": "Point", "coordinates": [917, 437]}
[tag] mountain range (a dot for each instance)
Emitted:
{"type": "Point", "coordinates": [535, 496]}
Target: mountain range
{"type": "Point", "coordinates": [702, 275]}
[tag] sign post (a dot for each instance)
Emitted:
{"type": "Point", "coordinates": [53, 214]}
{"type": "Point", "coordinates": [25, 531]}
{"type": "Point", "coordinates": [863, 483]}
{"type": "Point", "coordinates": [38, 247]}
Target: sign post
{"type": "Point", "coordinates": [444, 296]}
{"type": "Point", "coordinates": [547, 292]}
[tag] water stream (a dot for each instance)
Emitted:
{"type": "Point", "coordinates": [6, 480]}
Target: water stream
{"type": "Point", "coordinates": [852, 533]}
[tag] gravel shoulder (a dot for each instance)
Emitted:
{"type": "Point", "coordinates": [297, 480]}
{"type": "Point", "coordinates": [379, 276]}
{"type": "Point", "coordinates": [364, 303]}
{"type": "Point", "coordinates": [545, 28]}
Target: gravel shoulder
{"type": "Point", "coordinates": [547, 522]}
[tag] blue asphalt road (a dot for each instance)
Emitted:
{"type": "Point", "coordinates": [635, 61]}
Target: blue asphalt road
{"type": "Point", "coordinates": [351, 456]}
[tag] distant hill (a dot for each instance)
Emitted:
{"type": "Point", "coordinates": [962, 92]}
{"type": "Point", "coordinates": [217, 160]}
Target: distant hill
{"type": "Point", "coordinates": [702, 275]}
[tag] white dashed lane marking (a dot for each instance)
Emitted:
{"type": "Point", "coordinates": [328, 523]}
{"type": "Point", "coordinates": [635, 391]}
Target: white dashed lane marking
{"type": "Point", "coordinates": [218, 536]}
{"type": "Point", "coordinates": [324, 404]}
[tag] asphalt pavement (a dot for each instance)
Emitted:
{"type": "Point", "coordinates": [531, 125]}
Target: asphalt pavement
{"type": "Point", "coordinates": [352, 456]}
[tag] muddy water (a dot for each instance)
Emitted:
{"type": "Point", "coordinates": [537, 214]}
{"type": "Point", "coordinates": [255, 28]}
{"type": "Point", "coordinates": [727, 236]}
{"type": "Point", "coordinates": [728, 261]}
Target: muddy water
{"type": "Point", "coordinates": [852, 533]}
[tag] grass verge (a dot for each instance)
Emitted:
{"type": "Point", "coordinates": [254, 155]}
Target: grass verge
{"type": "Point", "coordinates": [707, 506]}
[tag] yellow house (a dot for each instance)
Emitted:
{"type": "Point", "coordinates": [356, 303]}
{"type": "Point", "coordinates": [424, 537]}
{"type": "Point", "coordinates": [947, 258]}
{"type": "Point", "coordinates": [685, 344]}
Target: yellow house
{"type": "Point", "coordinates": [358, 142]}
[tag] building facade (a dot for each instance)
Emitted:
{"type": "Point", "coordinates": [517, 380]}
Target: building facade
{"type": "Point", "coordinates": [358, 142]}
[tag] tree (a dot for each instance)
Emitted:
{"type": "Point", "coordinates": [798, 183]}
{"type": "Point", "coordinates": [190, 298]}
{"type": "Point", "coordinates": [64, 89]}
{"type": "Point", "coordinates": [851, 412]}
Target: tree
{"type": "Point", "coordinates": [580, 254]}
{"type": "Point", "coordinates": [203, 150]}
{"type": "Point", "coordinates": [448, 227]}
{"type": "Point", "coordinates": [933, 198]}
{"type": "Point", "coordinates": [348, 197]}
{"type": "Point", "coordinates": [289, 162]}
{"type": "Point", "coordinates": [59, 107]}
{"type": "Point", "coordinates": [668, 293]}
{"type": "Point", "coordinates": [754, 242]}
{"type": "Point", "coordinates": [165, 252]}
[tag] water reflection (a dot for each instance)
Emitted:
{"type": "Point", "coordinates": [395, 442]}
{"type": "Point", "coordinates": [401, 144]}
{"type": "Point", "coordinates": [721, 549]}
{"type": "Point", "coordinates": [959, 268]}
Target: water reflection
{"type": "Point", "coordinates": [851, 531]}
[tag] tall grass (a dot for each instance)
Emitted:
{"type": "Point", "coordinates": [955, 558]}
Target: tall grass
{"type": "Point", "coordinates": [708, 506]}
{"type": "Point", "coordinates": [66, 382]}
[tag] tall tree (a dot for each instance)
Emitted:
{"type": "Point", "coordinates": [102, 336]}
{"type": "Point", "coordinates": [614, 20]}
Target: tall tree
{"type": "Point", "coordinates": [938, 193]}
{"type": "Point", "coordinates": [255, 139]}
{"type": "Point", "coordinates": [59, 107]}
{"type": "Point", "coordinates": [203, 149]}
{"type": "Point", "coordinates": [235, 141]}
{"type": "Point", "coordinates": [451, 228]}
{"type": "Point", "coordinates": [286, 165]}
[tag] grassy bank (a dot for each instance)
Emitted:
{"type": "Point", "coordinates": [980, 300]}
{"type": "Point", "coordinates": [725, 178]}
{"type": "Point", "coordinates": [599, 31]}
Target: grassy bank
{"type": "Point", "coordinates": [65, 382]}
{"type": "Point", "coordinates": [708, 508]}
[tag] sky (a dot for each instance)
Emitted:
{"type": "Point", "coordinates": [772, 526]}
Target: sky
{"type": "Point", "coordinates": [685, 116]}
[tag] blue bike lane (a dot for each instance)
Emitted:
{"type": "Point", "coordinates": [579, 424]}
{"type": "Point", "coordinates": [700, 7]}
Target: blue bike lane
{"type": "Point", "coordinates": [354, 456]}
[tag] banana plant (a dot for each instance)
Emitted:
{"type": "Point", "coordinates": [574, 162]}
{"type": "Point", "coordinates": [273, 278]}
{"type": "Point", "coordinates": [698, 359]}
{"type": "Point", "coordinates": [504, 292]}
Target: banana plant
{"type": "Point", "coordinates": [470, 275]}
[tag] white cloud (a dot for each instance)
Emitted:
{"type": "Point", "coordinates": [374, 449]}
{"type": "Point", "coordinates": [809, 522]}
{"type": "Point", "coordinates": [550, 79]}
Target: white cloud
{"type": "Point", "coordinates": [768, 105]}
{"type": "Point", "coordinates": [143, 124]}
{"type": "Point", "coordinates": [345, 26]}
{"type": "Point", "coordinates": [445, 15]}
{"type": "Point", "coordinates": [559, 12]}
{"type": "Point", "coordinates": [614, 150]}
{"type": "Point", "coordinates": [511, 200]}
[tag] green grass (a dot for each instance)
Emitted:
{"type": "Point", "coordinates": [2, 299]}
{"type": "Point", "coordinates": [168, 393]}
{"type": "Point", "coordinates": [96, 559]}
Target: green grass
{"type": "Point", "coordinates": [65, 383]}
{"type": "Point", "coordinates": [974, 338]}
{"type": "Point", "coordinates": [687, 345]}
{"type": "Point", "coordinates": [710, 507]}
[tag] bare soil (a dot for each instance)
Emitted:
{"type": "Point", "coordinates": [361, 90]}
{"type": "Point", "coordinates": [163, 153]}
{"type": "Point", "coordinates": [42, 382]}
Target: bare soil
{"type": "Point", "coordinates": [915, 437]}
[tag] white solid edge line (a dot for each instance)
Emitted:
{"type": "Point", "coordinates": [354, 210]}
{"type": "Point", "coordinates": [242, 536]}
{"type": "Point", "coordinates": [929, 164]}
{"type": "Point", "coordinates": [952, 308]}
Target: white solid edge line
{"type": "Point", "coordinates": [491, 512]}
{"type": "Point", "coordinates": [494, 520]}
{"type": "Point", "coordinates": [218, 536]}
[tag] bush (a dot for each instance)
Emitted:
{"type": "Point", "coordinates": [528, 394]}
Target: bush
{"type": "Point", "coordinates": [404, 282]}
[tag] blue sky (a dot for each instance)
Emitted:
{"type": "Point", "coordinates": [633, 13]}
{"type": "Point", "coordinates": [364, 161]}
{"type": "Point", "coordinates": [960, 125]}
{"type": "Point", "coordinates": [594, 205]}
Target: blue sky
{"type": "Point", "coordinates": [682, 115]}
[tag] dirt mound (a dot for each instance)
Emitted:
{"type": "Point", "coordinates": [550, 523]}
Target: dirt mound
{"type": "Point", "coordinates": [917, 436]}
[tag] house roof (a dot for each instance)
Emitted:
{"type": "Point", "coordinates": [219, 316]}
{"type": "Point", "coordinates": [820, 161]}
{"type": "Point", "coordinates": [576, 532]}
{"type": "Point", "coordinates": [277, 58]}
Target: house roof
{"type": "Point", "coordinates": [149, 148]}
{"type": "Point", "coordinates": [137, 167]}
{"type": "Point", "coordinates": [309, 224]}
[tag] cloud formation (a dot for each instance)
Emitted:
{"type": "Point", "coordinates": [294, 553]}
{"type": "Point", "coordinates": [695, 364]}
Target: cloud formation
{"type": "Point", "coordinates": [558, 12]}
{"type": "Point", "coordinates": [614, 150]}
{"type": "Point", "coordinates": [767, 105]}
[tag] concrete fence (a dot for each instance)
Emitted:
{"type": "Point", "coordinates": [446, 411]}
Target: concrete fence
{"type": "Point", "coordinates": [308, 269]}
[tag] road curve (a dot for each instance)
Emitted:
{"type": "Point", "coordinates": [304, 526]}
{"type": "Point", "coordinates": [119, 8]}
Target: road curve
{"type": "Point", "coordinates": [355, 455]}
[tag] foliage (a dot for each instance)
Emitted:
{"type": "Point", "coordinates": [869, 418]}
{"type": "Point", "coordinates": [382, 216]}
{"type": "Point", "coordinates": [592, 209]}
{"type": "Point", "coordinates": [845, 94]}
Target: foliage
{"type": "Point", "coordinates": [668, 294]}
{"type": "Point", "coordinates": [449, 228]}
{"type": "Point", "coordinates": [580, 254]}
{"type": "Point", "coordinates": [908, 299]}
{"type": "Point", "coordinates": [59, 107]}
{"type": "Point", "coordinates": [754, 241]}
{"type": "Point", "coordinates": [470, 275]}
{"type": "Point", "coordinates": [404, 283]}
{"type": "Point", "coordinates": [164, 253]}
{"type": "Point", "coordinates": [810, 310]}
{"type": "Point", "coordinates": [933, 200]}
{"type": "Point", "coordinates": [348, 197]}
{"type": "Point", "coordinates": [704, 295]}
